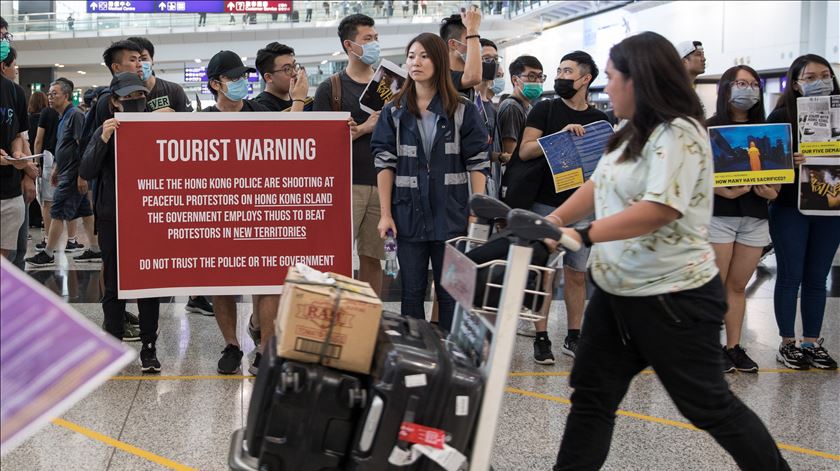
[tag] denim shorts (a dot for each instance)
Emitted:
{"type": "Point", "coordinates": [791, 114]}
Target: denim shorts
{"type": "Point", "coordinates": [574, 260]}
{"type": "Point", "coordinates": [68, 203]}
{"type": "Point", "coordinates": [749, 231]}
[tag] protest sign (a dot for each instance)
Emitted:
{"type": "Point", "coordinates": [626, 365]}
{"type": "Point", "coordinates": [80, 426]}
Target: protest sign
{"type": "Point", "coordinates": [51, 358]}
{"type": "Point", "coordinates": [819, 186]}
{"type": "Point", "coordinates": [224, 203]}
{"type": "Point", "coordinates": [819, 125]}
{"type": "Point", "coordinates": [573, 158]}
{"type": "Point", "coordinates": [752, 154]}
{"type": "Point", "coordinates": [386, 82]}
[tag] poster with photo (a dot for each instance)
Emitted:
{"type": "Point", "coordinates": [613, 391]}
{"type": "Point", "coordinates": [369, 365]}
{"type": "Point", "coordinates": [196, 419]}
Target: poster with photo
{"type": "Point", "coordinates": [819, 125]}
{"type": "Point", "coordinates": [819, 186]}
{"type": "Point", "coordinates": [386, 82]}
{"type": "Point", "coordinates": [752, 154]}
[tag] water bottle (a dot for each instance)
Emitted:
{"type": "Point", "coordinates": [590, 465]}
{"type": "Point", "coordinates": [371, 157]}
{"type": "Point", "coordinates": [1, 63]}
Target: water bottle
{"type": "Point", "coordinates": [391, 265]}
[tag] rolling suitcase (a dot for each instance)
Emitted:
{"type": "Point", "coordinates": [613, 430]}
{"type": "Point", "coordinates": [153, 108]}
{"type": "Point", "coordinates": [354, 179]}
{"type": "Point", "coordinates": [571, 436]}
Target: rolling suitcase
{"type": "Point", "coordinates": [418, 382]}
{"type": "Point", "coordinates": [261, 397]}
{"type": "Point", "coordinates": [312, 418]}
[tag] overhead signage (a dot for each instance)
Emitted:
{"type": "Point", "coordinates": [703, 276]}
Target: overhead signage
{"type": "Point", "coordinates": [191, 6]}
{"type": "Point", "coordinates": [199, 74]}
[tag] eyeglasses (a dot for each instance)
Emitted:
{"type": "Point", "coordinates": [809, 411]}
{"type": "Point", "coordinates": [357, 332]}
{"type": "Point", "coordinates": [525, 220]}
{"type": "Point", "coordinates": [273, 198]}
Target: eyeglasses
{"type": "Point", "coordinates": [492, 60]}
{"type": "Point", "coordinates": [289, 69]}
{"type": "Point", "coordinates": [54, 94]}
{"type": "Point", "coordinates": [743, 85]}
{"type": "Point", "coordinates": [532, 77]}
{"type": "Point", "coordinates": [811, 78]}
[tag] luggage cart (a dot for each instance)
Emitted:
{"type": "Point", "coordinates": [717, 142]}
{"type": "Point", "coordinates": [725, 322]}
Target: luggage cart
{"type": "Point", "coordinates": [487, 332]}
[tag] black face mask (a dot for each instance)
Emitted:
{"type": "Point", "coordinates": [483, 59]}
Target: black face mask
{"type": "Point", "coordinates": [488, 71]}
{"type": "Point", "coordinates": [565, 88]}
{"type": "Point", "coordinates": [134, 106]}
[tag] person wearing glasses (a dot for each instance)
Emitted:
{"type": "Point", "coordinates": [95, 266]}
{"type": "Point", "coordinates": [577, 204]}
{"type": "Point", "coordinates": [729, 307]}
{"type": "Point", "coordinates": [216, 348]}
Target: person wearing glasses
{"type": "Point", "coordinates": [286, 85]}
{"type": "Point", "coordinates": [527, 77]}
{"type": "Point", "coordinates": [805, 245]}
{"type": "Point", "coordinates": [569, 111]}
{"type": "Point", "coordinates": [739, 229]}
{"type": "Point", "coordinates": [228, 83]}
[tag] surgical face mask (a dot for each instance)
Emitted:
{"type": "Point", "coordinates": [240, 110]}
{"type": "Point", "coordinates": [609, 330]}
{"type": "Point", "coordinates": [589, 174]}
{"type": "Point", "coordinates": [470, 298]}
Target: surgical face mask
{"type": "Point", "coordinates": [462, 54]}
{"type": "Point", "coordinates": [5, 48]}
{"type": "Point", "coordinates": [565, 88]}
{"type": "Point", "coordinates": [488, 70]}
{"type": "Point", "coordinates": [147, 70]}
{"type": "Point", "coordinates": [237, 90]}
{"type": "Point", "coordinates": [817, 87]}
{"type": "Point", "coordinates": [370, 52]}
{"type": "Point", "coordinates": [744, 99]}
{"type": "Point", "coordinates": [532, 90]}
{"type": "Point", "coordinates": [134, 106]}
{"type": "Point", "coordinates": [498, 85]}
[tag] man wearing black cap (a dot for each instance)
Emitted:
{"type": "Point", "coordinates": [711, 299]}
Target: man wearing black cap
{"type": "Point", "coordinates": [128, 94]}
{"type": "Point", "coordinates": [228, 82]}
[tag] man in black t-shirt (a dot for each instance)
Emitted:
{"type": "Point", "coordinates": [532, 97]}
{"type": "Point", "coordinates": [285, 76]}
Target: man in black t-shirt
{"type": "Point", "coordinates": [162, 93]}
{"type": "Point", "coordinates": [286, 84]}
{"type": "Point", "coordinates": [460, 31]}
{"type": "Point", "coordinates": [570, 111]}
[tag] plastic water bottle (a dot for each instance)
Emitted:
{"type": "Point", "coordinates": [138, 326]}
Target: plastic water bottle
{"type": "Point", "coordinates": [391, 265]}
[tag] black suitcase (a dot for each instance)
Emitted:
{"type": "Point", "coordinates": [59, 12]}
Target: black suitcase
{"type": "Point", "coordinates": [261, 396]}
{"type": "Point", "coordinates": [312, 419]}
{"type": "Point", "coordinates": [418, 378]}
{"type": "Point", "coordinates": [497, 249]}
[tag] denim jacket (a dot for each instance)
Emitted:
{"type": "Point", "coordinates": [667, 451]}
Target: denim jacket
{"type": "Point", "coordinates": [430, 196]}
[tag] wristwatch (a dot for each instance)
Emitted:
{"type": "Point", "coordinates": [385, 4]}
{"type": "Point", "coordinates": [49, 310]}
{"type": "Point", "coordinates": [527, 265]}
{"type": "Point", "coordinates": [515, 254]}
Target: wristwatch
{"type": "Point", "coordinates": [584, 235]}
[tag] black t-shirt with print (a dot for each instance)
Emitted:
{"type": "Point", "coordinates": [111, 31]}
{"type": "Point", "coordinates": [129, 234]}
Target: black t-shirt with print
{"type": "Point", "coordinates": [272, 102]}
{"type": "Point", "coordinates": [15, 120]}
{"type": "Point", "coordinates": [247, 105]}
{"type": "Point", "coordinates": [550, 116]}
{"type": "Point", "coordinates": [167, 94]}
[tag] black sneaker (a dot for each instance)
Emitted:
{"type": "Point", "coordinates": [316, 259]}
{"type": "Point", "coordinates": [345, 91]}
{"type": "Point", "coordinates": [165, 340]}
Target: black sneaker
{"type": "Point", "coordinates": [570, 346]}
{"type": "Point", "coordinates": [255, 367]}
{"type": "Point", "coordinates": [41, 259]}
{"type": "Point", "coordinates": [40, 246]}
{"type": "Point", "coordinates": [89, 256]}
{"type": "Point", "coordinates": [131, 318]}
{"type": "Point", "coordinates": [542, 351]}
{"type": "Point", "coordinates": [73, 246]}
{"type": "Point", "coordinates": [792, 357]}
{"type": "Point", "coordinates": [231, 361]}
{"type": "Point", "coordinates": [254, 332]}
{"type": "Point", "coordinates": [148, 359]}
{"type": "Point", "coordinates": [740, 360]}
{"type": "Point", "coordinates": [728, 366]}
{"type": "Point", "coordinates": [199, 305]}
{"type": "Point", "coordinates": [131, 332]}
{"type": "Point", "coordinates": [817, 356]}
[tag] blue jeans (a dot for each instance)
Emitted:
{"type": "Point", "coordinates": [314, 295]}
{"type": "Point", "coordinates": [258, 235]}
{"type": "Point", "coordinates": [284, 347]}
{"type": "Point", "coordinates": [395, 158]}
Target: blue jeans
{"type": "Point", "coordinates": [805, 247]}
{"type": "Point", "coordinates": [414, 265]}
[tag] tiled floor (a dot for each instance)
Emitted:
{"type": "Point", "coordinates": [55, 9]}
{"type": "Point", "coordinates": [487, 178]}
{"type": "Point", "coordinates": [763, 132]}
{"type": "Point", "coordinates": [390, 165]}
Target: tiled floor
{"type": "Point", "coordinates": [188, 421]}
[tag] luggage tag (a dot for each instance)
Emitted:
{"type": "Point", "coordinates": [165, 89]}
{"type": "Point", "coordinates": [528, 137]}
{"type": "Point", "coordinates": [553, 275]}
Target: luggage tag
{"type": "Point", "coordinates": [416, 433]}
{"type": "Point", "coordinates": [448, 458]}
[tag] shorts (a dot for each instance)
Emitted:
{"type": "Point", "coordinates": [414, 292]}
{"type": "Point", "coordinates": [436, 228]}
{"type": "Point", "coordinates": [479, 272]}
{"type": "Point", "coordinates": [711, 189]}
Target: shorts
{"type": "Point", "coordinates": [573, 260]}
{"type": "Point", "coordinates": [366, 214]}
{"type": "Point", "coordinates": [12, 211]}
{"type": "Point", "coordinates": [69, 204]}
{"type": "Point", "coordinates": [45, 190]}
{"type": "Point", "coordinates": [749, 231]}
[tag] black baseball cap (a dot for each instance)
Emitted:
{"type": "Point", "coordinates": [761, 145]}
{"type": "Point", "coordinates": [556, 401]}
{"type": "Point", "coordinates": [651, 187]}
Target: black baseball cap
{"type": "Point", "coordinates": [227, 63]}
{"type": "Point", "coordinates": [124, 83]}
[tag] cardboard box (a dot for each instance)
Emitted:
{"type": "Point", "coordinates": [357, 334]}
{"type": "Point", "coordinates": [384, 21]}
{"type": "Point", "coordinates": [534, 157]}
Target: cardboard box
{"type": "Point", "coordinates": [305, 315]}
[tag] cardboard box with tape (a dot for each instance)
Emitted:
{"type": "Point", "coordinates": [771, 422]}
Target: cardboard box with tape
{"type": "Point", "coordinates": [306, 318]}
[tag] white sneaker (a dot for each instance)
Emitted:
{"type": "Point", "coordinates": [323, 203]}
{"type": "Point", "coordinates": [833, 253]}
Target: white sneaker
{"type": "Point", "coordinates": [526, 328]}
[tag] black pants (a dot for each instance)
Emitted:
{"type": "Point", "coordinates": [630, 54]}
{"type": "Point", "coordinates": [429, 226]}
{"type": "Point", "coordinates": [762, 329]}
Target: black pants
{"type": "Point", "coordinates": [678, 334]}
{"type": "Point", "coordinates": [114, 308]}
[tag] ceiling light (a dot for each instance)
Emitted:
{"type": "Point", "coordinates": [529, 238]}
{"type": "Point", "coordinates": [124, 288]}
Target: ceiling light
{"type": "Point", "coordinates": [60, 66]}
{"type": "Point", "coordinates": [324, 61]}
{"type": "Point", "coordinates": [81, 72]}
{"type": "Point", "coordinates": [244, 58]}
{"type": "Point", "coordinates": [102, 63]}
{"type": "Point", "coordinates": [57, 65]}
{"type": "Point", "coordinates": [197, 61]}
{"type": "Point", "coordinates": [336, 53]}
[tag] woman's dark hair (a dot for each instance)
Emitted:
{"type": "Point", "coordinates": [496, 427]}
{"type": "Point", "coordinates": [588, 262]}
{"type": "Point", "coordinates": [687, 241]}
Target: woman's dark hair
{"type": "Point", "coordinates": [37, 102]}
{"type": "Point", "coordinates": [789, 96]}
{"type": "Point", "coordinates": [441, 80]}
{"type": "Point", "coordinates": [755, 114]}
{"type": "Point", "coordinates": [661, 88]}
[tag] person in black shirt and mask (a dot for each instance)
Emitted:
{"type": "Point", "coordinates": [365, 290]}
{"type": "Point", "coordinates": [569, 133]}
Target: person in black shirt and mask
{"type": "Point", "coordinates": [128, 95]}
{"type": "Point", "coordinates": [570, 111]}
{"type": "Point", "coordinates": [286, 85]}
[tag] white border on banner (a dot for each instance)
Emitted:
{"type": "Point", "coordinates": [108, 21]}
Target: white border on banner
{"type": "Point", "coordinates": [218, 116]}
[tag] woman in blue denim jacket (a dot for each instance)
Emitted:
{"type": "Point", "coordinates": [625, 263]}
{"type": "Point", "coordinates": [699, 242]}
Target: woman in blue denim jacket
{"type": "Point", "coordinates": [430, 147]}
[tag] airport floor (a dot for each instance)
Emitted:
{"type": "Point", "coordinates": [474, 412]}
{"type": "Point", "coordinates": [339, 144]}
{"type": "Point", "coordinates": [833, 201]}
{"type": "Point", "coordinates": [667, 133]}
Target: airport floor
{"type": "Point", "coordinates": [182, 419]}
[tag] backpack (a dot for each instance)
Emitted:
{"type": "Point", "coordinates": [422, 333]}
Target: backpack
{"type": "Point", "coordinates": [335, 86]}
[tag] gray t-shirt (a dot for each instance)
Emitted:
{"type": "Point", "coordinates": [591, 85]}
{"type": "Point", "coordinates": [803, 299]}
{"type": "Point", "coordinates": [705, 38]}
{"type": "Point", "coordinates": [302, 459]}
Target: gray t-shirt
{"type": "Point", "coordinates": [68, 154]}
{"type": "Point", "coordinates": [364, 172]}
{"type": "Point", "coordinates": [511, 119]}
{"type": "Point", "coordinates": [426, 124]}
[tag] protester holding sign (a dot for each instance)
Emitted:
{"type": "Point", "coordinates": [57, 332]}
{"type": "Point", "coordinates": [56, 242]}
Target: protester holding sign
{"type": "Point", "coordinates": [805, 245]}
{"type": "Point", "coordinates": [739, 229]}
{"type": "Point", "coordinates": [128, 95]}
{"type": "Point", "coordinates": [570, 111]}
{"type": "Point", "coordinates": [429, 145]}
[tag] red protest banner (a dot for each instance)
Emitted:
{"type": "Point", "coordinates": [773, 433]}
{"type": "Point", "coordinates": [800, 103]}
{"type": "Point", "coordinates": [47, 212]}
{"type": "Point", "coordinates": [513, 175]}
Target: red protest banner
{"type": "Point", "coordinates": [224, 203]}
